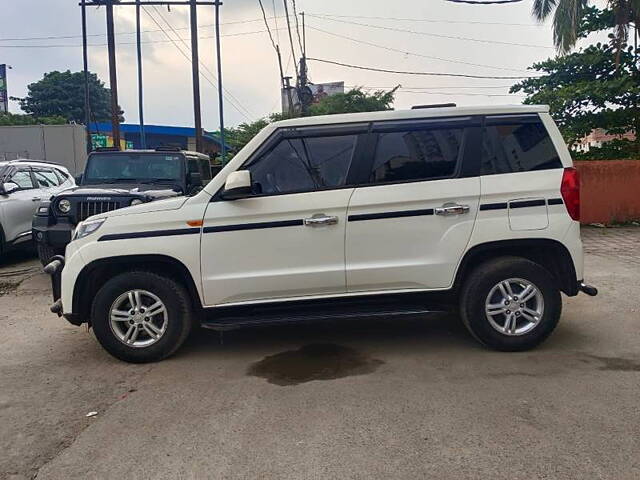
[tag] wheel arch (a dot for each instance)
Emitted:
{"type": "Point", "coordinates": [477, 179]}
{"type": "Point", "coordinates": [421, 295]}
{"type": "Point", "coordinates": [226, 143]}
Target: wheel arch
{"type": "Point", "coordinates": [95, 274]}
{"type": "Point", "coordinates": [550, 254]}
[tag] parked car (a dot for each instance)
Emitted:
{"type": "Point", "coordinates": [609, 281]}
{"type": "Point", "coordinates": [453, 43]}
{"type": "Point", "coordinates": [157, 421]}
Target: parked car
{"type": "Point", "coordinates": [23, 184]}
{"type": "Point", "coordinates": [113, 180]}
{"type": "Point", "coordinates": [367, 214]}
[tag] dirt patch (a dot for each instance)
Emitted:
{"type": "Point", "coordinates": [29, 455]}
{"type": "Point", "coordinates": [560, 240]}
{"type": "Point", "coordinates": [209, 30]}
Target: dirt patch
{"type": "Point", "coordinates": [617, 364]}
{"type": "Point", "coordinates": [8, 287]}
{"type": "Point", "coordinates": [313, 362]}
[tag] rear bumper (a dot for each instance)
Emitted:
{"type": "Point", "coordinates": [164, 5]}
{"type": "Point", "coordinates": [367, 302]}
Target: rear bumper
{"type": "Point", "coordinates": [588, 289]}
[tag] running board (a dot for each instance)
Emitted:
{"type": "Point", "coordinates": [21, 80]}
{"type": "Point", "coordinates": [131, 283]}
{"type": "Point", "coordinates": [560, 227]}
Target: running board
{"type": "Point", "coordinates": [226, 318]}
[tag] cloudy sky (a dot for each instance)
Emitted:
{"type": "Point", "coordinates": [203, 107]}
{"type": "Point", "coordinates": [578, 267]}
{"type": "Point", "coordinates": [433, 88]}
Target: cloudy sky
{"type": "Point", "coordinates": [406, 35]}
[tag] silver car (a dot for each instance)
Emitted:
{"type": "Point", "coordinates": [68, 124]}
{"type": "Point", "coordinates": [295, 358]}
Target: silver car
{"type": "Point", "coordinates": [23, 183]}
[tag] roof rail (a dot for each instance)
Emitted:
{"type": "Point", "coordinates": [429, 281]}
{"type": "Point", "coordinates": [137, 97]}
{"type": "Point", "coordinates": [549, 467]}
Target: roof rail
{"type": "Point", "coordinates": [434, 105]}
{"type": "Point", "coordinates": [31, 160]}
{"type": "Point", "coordinates": [168, 148]}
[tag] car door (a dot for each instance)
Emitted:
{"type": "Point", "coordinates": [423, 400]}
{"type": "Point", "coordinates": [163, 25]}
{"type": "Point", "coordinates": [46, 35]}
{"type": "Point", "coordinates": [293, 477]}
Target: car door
{"type": "Point", "coordinates": [19, 206]}
{"type": "Point", "coordinates": [287, 239]}
{"type": "Point", "coordinates": [410, 222]}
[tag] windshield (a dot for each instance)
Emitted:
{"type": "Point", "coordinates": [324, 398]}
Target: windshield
{"type": "Point", "coordinates": [134, 168]}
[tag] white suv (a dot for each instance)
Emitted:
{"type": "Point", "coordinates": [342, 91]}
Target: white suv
{"type": "Point", "coordinates": [384, 213]}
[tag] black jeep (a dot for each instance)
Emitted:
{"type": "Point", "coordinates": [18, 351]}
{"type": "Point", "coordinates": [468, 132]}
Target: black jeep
{"type": "Point", "coordinates": [111, 180]}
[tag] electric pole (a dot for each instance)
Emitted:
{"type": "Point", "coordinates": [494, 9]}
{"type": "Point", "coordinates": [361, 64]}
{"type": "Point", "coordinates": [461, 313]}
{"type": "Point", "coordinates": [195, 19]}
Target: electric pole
{"type": "Point", "coordinates": [195, 66]}
{"type": "Point", "coordinates": [143, 139]}
{"type": "Point", "coordinates": [113, 75]}
{"type": "Point", "coordinates": [85, 63]}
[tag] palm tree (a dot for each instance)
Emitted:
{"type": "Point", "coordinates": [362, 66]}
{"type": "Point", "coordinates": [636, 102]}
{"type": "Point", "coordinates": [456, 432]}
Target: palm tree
{"type": "Point", "coordinates": [567, 15]}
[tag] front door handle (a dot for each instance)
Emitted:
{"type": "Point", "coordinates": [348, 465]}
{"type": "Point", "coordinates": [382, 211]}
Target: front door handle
{"type": "Point", "coordinates": [36, 199]}
{"type": "Point", "coordinates": [320, 219]}
{"type": "Point", "coordinates": [452, 209]}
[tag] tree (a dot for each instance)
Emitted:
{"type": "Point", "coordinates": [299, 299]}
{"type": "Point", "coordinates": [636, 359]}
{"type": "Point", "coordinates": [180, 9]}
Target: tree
{"type": "Point", "coordinates": [353, 101]}
{"type": "Point", "coordinates": [10, 119]}
{"type": "Point", "coordinates": [62, 94]}
{"type": "Point", "coordinates": [568, 15]}
{"type": "Point", "coordinates": [587, 90]}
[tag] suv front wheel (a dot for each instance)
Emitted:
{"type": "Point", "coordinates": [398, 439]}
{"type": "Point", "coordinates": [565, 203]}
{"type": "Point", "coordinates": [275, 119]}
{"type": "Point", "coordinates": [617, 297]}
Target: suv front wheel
{"type": "Point", "coordinates": [141, 316]}
{"type": "Point", "coordinates": [510, 304]}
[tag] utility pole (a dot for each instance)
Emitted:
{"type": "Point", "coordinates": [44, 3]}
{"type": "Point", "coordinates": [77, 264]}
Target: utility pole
{"type": "Point", "coordinates": [113, 76]}
{"type": "Point", "coordinates": [195, 65]}
{"type": "Point", "coordinates": [220, 91]}
{"type": "Point", "coordinates": [143, 139]}
{"type": "Point", "coordinates": [85, 64]}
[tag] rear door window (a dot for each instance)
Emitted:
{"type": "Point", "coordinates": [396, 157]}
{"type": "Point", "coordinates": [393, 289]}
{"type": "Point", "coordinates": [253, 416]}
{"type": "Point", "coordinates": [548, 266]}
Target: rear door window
{"type": "Point", "coordinates": [46, 178]}
{"type": "Point", "coordinates": [517, 145]}
{"type": "Point", "coordinates": [416, 155]}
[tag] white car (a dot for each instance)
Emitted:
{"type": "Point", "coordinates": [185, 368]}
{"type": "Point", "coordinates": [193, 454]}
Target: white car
{"type": "Point", "coordinates": [23, 184]}
{"type": "Point", "coordinates": [367, 214]}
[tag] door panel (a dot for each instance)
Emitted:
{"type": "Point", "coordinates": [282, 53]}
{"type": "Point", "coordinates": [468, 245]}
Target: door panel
{"type": "Point", "coordinates": [19, 206]}
{"type": "Point", "coordinates": [259, 248]}
{"type": "Point", "coordinates": [398, 239]}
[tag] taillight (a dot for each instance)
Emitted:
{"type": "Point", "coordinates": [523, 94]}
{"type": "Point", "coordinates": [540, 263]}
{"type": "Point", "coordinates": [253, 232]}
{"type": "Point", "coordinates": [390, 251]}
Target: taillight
{"type": "Point", "coordinates": [570, 190]}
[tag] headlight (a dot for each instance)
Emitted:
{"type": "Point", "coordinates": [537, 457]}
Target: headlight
{"type": "Point", "coordinates": [64, 205]}
{"type": "Point", "coordinates": [136, 201]}
{"type": "Point", "coordinates": [87, 228]}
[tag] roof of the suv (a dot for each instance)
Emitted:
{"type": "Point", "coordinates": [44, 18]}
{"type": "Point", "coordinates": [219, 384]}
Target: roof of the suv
{"type": "Point", "coordinates": [409, 114]}
{"type": "Point", "coordinates": [159, 150]}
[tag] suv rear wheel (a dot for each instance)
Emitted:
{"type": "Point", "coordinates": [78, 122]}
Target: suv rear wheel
{"type": "Point", "coordinates": [141, 316]}
{"type": "Point", "coordinates": [510, 304]}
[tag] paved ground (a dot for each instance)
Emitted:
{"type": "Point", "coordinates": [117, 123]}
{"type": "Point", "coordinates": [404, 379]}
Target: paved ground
{"type": "Point", "coordinates": [403, 399]}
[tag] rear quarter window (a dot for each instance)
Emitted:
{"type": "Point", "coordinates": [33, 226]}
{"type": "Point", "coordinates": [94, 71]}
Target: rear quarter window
{"type": "Point", "coordinates": [510, 146]}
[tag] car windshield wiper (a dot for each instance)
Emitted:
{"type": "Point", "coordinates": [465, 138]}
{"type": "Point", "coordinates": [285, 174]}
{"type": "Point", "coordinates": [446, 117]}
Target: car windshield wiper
{"type": "Point", "coordinates": [95, 181]}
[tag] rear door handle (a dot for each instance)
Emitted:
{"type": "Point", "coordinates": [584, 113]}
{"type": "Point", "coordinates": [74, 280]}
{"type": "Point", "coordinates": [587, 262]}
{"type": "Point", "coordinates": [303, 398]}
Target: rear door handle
{"type": "Point", "coordinates": [452, 209]}
{"type": "Point", "coordinates": [36, 199]}
{"type": "Point", "coordinates": [320, 219]}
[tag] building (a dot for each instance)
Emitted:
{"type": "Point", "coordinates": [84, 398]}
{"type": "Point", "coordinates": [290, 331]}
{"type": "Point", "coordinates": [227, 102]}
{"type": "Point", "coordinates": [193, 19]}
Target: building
{"type": "Point", "coordinates": [158, 136]}
{"type": "Point", "coordinates": [598, 137]}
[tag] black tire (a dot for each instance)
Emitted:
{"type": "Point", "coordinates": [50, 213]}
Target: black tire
{"type": "Point", "coordinates": [179, 315]}
{"type": "Point", "coordinates": [479, 284]}
{"type": "Point", "coordinates": [46, 252]}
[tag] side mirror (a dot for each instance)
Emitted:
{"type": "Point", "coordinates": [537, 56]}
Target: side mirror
{"type": "Point", "coordinates": [195, 179]}
{"type": "Point", "coordinates": [238, 185]}
{"type": "Point", "coordinates": [79, 178]}
{"type": "Point", "coordinates": [7, 188]}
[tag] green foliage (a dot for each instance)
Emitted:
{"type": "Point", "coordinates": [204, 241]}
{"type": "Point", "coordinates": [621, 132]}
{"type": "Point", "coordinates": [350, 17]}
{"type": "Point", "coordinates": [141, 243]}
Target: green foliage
{"type": "Point", "coordinates": [586, 90]}
{"type": "Point", "coordinates": [351, 102]}
{"type": "Point", "coordinates": [11, 119]}
{"type": "Point", "coordinates": [62, 94]}
{"type": "Point", "coordinates": [568, 16]}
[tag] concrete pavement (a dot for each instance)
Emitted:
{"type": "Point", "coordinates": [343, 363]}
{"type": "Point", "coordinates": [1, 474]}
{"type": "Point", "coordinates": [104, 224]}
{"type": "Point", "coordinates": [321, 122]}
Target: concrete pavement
{"type": "Point", "coordinates": [402, 399]}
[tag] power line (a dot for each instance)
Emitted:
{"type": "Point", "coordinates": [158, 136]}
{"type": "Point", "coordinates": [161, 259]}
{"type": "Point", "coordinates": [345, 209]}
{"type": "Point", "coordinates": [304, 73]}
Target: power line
{"type": "Point", "coordinates": [66, 37]}
{"type": "Point", "coordinates": [293, 52]}
{"type": "Point", "coordinates": [190, 61]}
{"type": "Point", "coordinates": [404, 52]}
{"type": "Point", "coordinates": [295, 15]}
{"type": "Point", "coordinates": [466, 94]}
{"type": "Point", "coordinates": [437, 35]}
{"type": "Point", "coordinates": [424, 20]}
{"type": "Point", "coordinates": [204, 67]}
{"type": "Point", "coordinates": [400, 72]}
{"type": "Point", "coordinates": [146, 42]}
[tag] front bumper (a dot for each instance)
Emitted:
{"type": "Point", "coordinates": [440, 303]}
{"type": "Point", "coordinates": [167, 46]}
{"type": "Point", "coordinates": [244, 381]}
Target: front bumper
{"type": "Point", "coordinates": [54, 270]}
{"type": "Point", "coordinates": [56, 236]}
